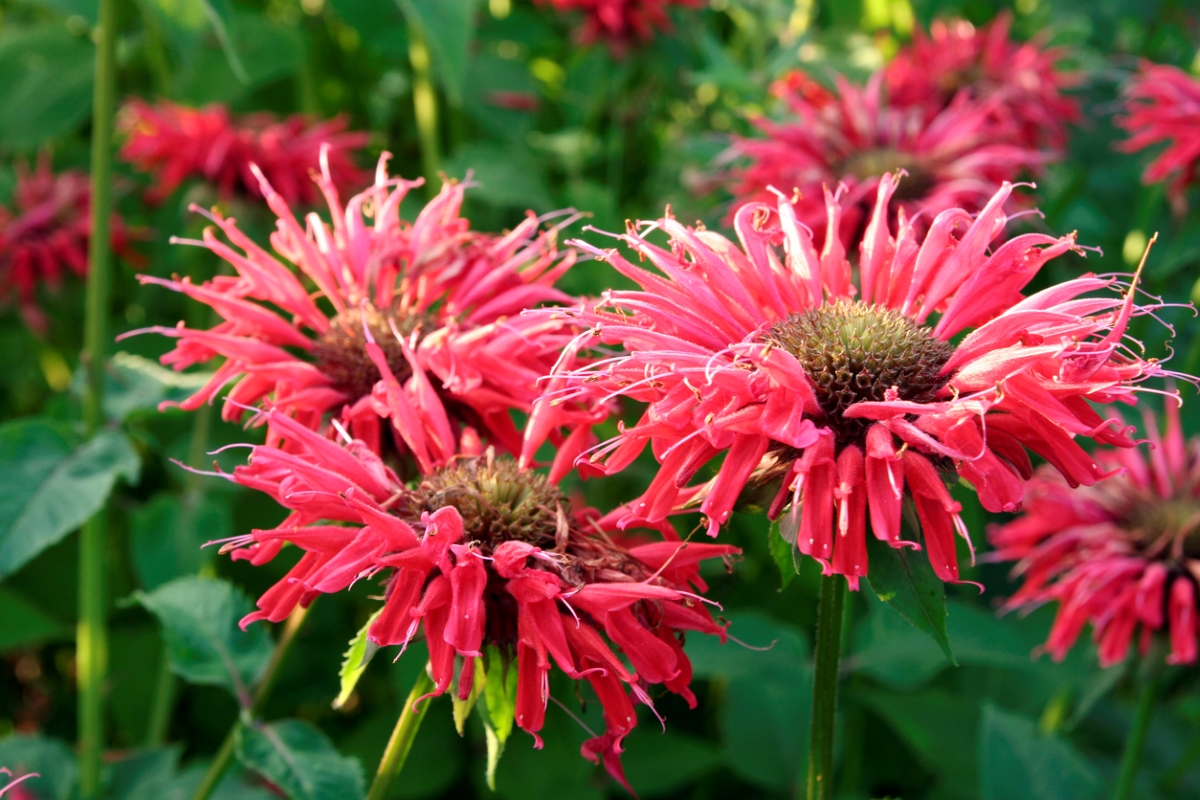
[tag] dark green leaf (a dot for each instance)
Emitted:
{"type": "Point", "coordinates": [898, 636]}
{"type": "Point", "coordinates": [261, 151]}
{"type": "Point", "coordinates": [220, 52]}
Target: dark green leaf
{"type": "Point", "coordinates": [1018, 763]}
{"type": "Point", "coordinates": [45, 492]}
{"type": "Point", "coordinates": [905, 581]}
{"type": "Point", "coordinates": [145, 775]}
{"type": "Point", "coordinates": [47, 87]}
{"type": "Point", "coordinates": [200, 624]}
{"type": "Point", "coordinates": [22, 623]}
{"type": "Point", "coordinates": [167, 537]}
{"type": "Point", "coordinates": [267, 52]}
{"type": "Point", "coordinates": [301, 761]}
{"type": "Point", "coordinates": [784, 555]}
{"type": "Point", "coordinates": [449, 27]}
{"type": "Point", "coordinates": [50, 758]}
{"type": "Point", "coordinates": [659, 763]}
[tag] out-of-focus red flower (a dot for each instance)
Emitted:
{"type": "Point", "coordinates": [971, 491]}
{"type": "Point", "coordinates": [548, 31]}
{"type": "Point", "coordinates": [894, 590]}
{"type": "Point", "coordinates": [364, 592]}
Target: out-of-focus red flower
{"type": "Point", "coordinates": [12, 789]}
{"type": "Point", "coordinates": [1022, 77]}
{"type": "Point", "coordinates": [621, 23]}
{"type": "Point", "coordinates": [844, 390]}
{"type": "Point", "coordinates": [850, 136]}
{"type": "Point", "coordinates": [414, 323]}
{"type": "Point", "coordinates": [483, 555]}
{"type": "Point", "coordinates": [1162, 105]}
{"type": "Point", "coordinates": [45, 234]}
{"type": "Point", "coordinates": [1122, 555]}
{"type": "Point", "coordinates": [174, 143]}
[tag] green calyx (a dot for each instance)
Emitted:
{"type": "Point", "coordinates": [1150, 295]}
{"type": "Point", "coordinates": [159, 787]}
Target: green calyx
{"type": "Point", "coordinates": [855, 352]}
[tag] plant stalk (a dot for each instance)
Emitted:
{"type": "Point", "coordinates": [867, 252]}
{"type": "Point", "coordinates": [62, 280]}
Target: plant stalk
{"type": "Point", "coordinates": [1150, 680]}
{"type": "Point", "coordinates": [403, 735]}
{"type": "Point", "coordinates": [224, 756]}
{"type": "Point", "coordinates": [830, 614]}
{"type": "Point", "coordinates": [424, 105]}
{"type": "Point", "coordinates": [91, 649]}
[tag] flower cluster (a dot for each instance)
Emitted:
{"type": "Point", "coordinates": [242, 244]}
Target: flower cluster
{"type": "Point", "coordinates": [1162, 105]}
{"type": "Point", "coordinates": [620, 23]}
{"type": "Point", "coordinates": [854, 390]}
{"type": "Point", "coordinates": [1122, 555]}
{"type": "Point", "coordinates": [46, 235]}
{"type": "Point", "coordinates": [415, 323]}
{"type": "Point", "coordinates": [175, 143]}
{"type": "Point", "coordinates": [481, 554]}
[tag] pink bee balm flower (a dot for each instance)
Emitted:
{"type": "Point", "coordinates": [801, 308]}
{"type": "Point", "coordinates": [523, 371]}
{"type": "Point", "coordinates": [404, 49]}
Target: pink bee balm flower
{"type": "Point", "coordinates": [417, 323]}
{"type": "Point", "coordinates": [621, 23]}
{"type": "Point", "coordinates": [1123, 554]}
{"type": "Point", "coordinates": [12, 788]}
{"type": "Point", "coordinates": [852, 137]}
{"type": "Point", "coordinates": [955, 57]}
{"type": "Point", "coordinates": [46, 235]}
{"type": "Point", "coordinates": [855, 388]}
{"type": "Point", "coordinates": [174, 143]}
{"type": "Point", "coordinates": [1162, 105]}
{"type": "Point", "coordinates": [484, 556]}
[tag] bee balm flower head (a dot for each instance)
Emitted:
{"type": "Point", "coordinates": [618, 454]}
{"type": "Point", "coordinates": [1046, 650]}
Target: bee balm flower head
{"type": "Point", "coordinates": [1162, 106]}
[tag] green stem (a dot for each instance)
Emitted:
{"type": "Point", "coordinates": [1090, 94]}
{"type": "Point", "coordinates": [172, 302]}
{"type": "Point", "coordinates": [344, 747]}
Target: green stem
{"type": "Point", "coordinates": [224, 756]}
{"type": "Point", "coordinates": [1136, 743]}
{"type": "Point", "coordinates": [424, 106]}
{"type": "Point", "coordinates": [92, 636]}
{"type": "Point", "coordinates": [402, 737]}
{"type": "Point", "coordinates": [828, 654]}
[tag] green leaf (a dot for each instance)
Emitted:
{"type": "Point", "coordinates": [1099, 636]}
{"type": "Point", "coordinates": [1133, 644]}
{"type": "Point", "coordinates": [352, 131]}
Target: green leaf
{"type": "Point", "coordinates": [186, 21]}
{"type": "Point", "coordinates": [22, 623]}
{"type": "Point", "coordinates": [498, 708]}
{"type": "Point", "coordinates": [362, 649]}
{"type": "Point", "coordinates": [300, 760]}
{"type": "Point", "coordinates": [200, 624]}
{"type": "Point", "coordinates": [504, 175]}
{"type": "Point", "coordinates": [167, 537]}
{"type": "Point", "coordinates": [267, 52]}
{"type": "Point", "coordinates": [145, 775]}
{"type": "Point", "coordinates": [1018, 763]}
{"type": "Point", "coordinates": [46, 92]}
{"type": "Point", "coordinates": [47, 491]}
{"type": "Point", "coordinates": [906, 582]}
{"type": "Point", "coordinates": [783, 554]}
{"type": "Point", "coordinates": [135, 384]}
{"type": "Point", "coordinates": [449, 27]}
{"type": "Point", "coordinates": [659, 763]}
{"type": "Point", "coordinates": [50, 758]}
{"type": "Point", "coordinates": [462, 708]}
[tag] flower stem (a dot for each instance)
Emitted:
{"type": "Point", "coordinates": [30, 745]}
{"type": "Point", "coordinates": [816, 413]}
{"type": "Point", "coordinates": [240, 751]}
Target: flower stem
{"type": "Point", "coordinates": [424, 105]}
{"type": "Point", "coordinates": [91, 634]}
{"type": "Point", "coordinates": [1149, 679]}
{"type": "Point", "coordinates": [828, 654]}
{"type": "Point", "coordinates": [402, 738]}
{"type": "Point", "coordinates": [224, 756]}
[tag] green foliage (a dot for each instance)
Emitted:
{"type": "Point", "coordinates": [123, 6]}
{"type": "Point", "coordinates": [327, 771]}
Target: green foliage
{"type": "Point", "coordinates": [1016, 762]}
{"type": "Point", "coordinates": [361, 650]}
{"type": "Point", "coordinates": [47, 88]}
{"type": "Point", "coordinates": [300, 760]}
{"type": "Point", "coordinates": [50, 758]}
{"type": "Point", "coordinates": [200, 619]}
{"type": "Point", "coordinates": [168, 533]}
{"type": "Point", "coordinates": [50, 484]}
{"type": "Point", "coordinates": [23, 623]}
{"type": "Point", "coordinates": [906, 582]}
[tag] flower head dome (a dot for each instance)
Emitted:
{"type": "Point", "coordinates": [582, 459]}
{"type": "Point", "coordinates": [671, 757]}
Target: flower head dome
{"type": "Point", "coordinates": [414, 323]}
{"type": "Point", "coordinates": [175, 143]}
{"type": "Point", "coordinates": [852, 137]}
{"type": "Point", "coordinates": [856, 388]}
{"type": "Point", "coordinates": [1162, 106]}
{"type": "Point", "coordinates": [1122, 555]}
{"type": "Point", "coordinates": [984, 62]}
{"type": "Point", "coordinates": [621, 23]}
{"type": "Point", "coordinates": [481, 555]}
{"type": "Point", "coordinates": [46, 234]}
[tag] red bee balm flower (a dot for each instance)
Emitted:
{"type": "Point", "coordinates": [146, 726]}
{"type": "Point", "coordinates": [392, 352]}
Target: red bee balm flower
{"type": "Point", "coordinates": [415, 322]}
{"type": "Point", "coordinates": [1162, 105]}
{"type": "Point", "coordinates": [174, 143]}
{"type": "Point", "coordinates": [48, 235]}
{"type": "Point", "coordinates": [845, 384]}
{"type": "Point", "coordinates": [621, 22]}
{"type": "Point", "coordinates": [1121, 554]}
{"type": "Point", "coordinates": [956, 159]}
{"type": "Point", "coordinates": [957, 57]}
{"type": "Point", "coordinates": [484, 555]}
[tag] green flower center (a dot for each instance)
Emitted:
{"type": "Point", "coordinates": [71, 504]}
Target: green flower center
{"type": "Point", "coordinates": [854, 352]}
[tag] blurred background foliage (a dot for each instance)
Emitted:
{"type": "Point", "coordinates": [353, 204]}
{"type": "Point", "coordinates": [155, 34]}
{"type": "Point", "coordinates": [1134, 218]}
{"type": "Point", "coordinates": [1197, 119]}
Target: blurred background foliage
{"type": "Point", "coordinates": [621, 138]}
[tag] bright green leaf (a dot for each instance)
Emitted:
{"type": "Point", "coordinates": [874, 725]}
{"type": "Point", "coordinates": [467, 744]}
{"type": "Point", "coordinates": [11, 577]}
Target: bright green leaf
{"type": "Point", "coordinates": [46, 492]}
{"type": "Point", "coordinates": [462, 708]}
{"type": "Point", "coordinates": [22, 623]}
{"type": "Point", "coordinates": [50, 758]}
{"type": "Point", "coordinates": [1018, 763]}
{"type": "Point", "coordinates": [908, 584]}
{"type": "Point", "coordinates": [449, 27]}
{"type": "Point", "coordinates": [200, 624]}
{"type": "Point", "coordinates": [783, 554]}
{"type": "Point", "coordinates": [362, 649]}
{"type": "Point", "coordinates": [167, 538]}
{"type": "Point", "coordinates": [301, 761]}
{"type": "Point", "coordinates": [497, 709]}
{"type": "Point", "coordinates": [46, 92]}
